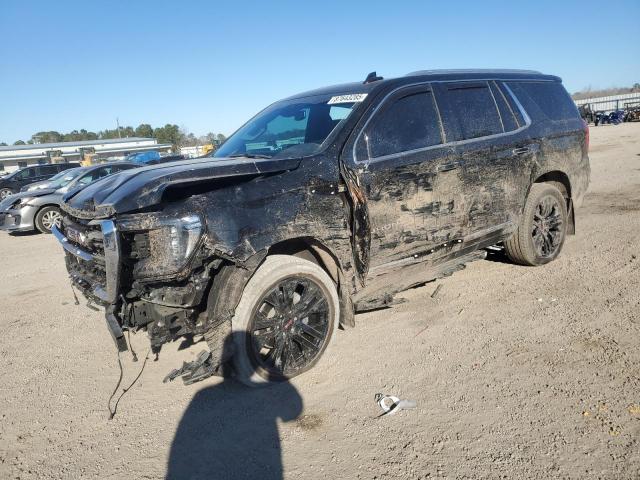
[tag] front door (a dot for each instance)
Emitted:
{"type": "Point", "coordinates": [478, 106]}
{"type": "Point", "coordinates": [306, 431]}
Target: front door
{"type": "Point", "coordinates": [409, 179]}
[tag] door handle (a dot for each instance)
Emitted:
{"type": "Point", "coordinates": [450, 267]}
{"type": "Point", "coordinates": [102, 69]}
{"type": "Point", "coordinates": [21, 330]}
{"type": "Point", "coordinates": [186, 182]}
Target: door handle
{"type": "Point", "coordinates": [446, 167]}
{"type": "Point", "coordinates": [522, 150]}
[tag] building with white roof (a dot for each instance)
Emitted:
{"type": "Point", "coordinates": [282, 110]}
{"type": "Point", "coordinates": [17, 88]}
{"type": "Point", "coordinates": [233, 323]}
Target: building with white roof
{"type": "Point", "coordinates": [18, 156]}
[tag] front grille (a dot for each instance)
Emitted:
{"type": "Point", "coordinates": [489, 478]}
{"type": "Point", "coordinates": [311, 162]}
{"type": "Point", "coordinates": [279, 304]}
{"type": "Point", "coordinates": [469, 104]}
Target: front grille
{"type": "Point", "coordinates": [83, 235]}
{"type": "Point", "coordinates": [92, 256]}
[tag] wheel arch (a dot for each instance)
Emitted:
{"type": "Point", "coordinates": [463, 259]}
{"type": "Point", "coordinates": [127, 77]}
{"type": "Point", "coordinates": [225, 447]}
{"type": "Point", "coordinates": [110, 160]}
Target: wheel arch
{"type": "Point", "coordinates": [560, 180]}
{"type": "Point", "coordinates": [317, 252]}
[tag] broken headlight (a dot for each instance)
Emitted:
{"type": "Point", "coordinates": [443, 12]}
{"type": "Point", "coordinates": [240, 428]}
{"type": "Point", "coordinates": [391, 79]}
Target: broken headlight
{"type": "Point", "coordinates": [21, 203]}
{"type": "Point", "coordinates": [162, 245]}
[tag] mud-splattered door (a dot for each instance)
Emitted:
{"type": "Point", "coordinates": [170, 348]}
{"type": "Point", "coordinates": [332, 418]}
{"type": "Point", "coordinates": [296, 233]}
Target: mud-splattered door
{"type": "Point", "coordinates": [399, 156]}
{"type": "Point", "coordinates": [491, 165]}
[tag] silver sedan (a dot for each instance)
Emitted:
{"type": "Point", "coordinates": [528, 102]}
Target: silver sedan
{"type": "Point", "coordinates": [40, 209]}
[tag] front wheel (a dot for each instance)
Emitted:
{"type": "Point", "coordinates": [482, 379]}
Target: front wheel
{"type": "Point", "coordinates": [542, 228]}
{"type": "Point", "coordinates": [46, 218]}
{"type": "Point", "coordinates": [284, 322]}
{"type": "Point", "coordinates": [4, 193]}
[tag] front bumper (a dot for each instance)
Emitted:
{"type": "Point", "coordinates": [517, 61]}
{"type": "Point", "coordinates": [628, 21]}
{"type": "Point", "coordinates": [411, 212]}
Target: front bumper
{"type": "Point", "coordinates": [18, 220]}
{"type": "Point", "coordinates": [95, 270]}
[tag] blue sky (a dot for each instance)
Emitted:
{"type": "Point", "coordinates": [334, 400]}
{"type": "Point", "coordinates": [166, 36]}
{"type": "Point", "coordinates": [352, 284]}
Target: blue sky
{"type": "Point", "coordinates": [209, 65]}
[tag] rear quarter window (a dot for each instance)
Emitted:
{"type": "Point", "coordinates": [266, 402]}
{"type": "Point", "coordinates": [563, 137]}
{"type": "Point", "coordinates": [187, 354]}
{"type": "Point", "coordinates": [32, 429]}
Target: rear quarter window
{"type": "Point", "coordinates": [547, 98]}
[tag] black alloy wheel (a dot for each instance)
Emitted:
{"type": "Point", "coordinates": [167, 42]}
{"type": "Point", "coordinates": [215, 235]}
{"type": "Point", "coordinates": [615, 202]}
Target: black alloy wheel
{"type": "Point", "coordinates": [289, 326]}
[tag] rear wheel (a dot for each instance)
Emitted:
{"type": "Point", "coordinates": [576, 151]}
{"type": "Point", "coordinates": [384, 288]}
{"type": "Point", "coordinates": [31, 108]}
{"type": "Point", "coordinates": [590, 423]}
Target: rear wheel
{"type": "Point", "coordinates": [284, 322]}
{"type": "Point", "coordinates": [542, 228]}
{"type": "Point", "coordinates": [46, 218]}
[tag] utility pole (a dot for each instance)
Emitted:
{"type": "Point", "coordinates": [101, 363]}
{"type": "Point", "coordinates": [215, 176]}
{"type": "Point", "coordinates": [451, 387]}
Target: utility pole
{"type": "Point", "coordinates": [118, 125]}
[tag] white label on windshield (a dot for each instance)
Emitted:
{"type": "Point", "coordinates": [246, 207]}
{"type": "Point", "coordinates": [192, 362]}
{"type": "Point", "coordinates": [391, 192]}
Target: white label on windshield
{"type": "Point", "coordinates": [352, 98]}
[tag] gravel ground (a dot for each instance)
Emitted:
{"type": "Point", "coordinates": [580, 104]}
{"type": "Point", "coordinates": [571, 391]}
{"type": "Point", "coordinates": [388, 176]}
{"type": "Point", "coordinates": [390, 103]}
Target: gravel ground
{"type": "Point", "coordinates": [517, 372]}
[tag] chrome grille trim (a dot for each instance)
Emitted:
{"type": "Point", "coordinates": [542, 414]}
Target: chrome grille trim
{"type": "Point", "coordinates": [111, 258]}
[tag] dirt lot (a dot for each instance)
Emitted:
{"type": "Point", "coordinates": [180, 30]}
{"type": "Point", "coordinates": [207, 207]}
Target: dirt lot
{"type": "Point", "coordinates": [518, 372]}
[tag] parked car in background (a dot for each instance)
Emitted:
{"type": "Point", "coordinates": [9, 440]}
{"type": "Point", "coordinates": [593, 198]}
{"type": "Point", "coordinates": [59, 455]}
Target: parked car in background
{"type": "Point", "coordinates": [152, 158]}
{"type": "Point", "coordinates": [13, 182]}
{"type": "Point", "coordinates": [39, 209]}
{"type": "Point", "coordinates": [45, 184]}
{"type": "Point", "coordinates": [328, 203]}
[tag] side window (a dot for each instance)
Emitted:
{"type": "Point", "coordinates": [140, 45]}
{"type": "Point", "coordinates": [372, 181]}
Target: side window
{"type": "Point", "coordinates": [47, 170]}
{"type": "Point", "coordinates": [408, 123]}
{"type": "Point", "coordinates": [93, 176]}
{"type": "Point", "coordinates": [27, 173]}
{"type": "Point", "coordinates": [508, 96]}
{"type": "Point", "coordinates": [509, 120]}
{"type": "Point", "coordinates": [470, 112]}
{"type": "Point", "coordinates": [550, 97]}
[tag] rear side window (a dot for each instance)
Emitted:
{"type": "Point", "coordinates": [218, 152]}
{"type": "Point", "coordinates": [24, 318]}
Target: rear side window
{"type": "Point", "coordinates": [469, 111]}
{"type": "Point", "coordinates": [48, 170]}
{"type": "Point", "coordinates": [408, 123]}
{"type": "Point", "coordinates": [507, 113]}
{"type": "Point", "coordinates": [550, 97]}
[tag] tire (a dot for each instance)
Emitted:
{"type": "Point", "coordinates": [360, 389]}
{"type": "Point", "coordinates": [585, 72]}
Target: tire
{"type": "Point", "coordinates": [262, 329]}
{"type": "Point", "coordinates": [5, 192]}
{"type": "Point", "coordinates": [46, 218]}
{"type": "Point", "coordinates": [542, 228]}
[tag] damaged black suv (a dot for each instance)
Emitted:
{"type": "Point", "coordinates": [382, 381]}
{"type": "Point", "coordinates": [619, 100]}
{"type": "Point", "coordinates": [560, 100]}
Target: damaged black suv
{"type": "Point", "coordinates": [328, 203]}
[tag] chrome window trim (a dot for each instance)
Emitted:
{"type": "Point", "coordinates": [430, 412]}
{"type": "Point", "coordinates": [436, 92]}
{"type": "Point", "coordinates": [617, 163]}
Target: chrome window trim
{"type": "Point", "coordinates": [525, 116]}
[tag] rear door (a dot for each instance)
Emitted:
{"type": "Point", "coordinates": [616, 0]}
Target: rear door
{"type": "Point", "coordinates": [491, 152]}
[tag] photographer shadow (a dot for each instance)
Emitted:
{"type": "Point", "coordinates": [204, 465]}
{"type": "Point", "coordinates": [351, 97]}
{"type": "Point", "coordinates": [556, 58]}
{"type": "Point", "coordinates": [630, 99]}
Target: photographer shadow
{"type": "Point", "coordinates": [230, 431]}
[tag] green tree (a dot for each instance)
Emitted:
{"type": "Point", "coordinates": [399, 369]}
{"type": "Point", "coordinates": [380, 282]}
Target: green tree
{"type": "Point", "coordinates": [19, 142]}
{"type": "Point", "coordinates": [47, 137]}
{"type": "Point", "coordinates": [169, 134]}
{"type": "Point", "coordinates": [144, 130]}
{"type": "Point", "coordinates": [2, 144]}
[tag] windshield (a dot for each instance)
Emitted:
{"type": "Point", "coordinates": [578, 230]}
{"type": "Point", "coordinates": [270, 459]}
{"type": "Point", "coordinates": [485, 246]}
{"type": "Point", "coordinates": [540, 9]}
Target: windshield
{"type": "Point", "coordinates": [288, 129]}
{"type": "Point", "coordinates": [64, 180]}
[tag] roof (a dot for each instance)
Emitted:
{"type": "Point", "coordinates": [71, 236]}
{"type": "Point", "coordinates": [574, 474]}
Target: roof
{"type": "Point", "coordinates": [82, 143]}
{"type": "Point", "coordinates": [429, 75]}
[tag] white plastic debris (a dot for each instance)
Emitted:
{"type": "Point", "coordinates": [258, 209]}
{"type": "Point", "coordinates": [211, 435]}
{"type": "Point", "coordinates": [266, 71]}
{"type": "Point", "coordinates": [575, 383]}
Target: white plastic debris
{"type": "Point", "coordinates": [391, 405]}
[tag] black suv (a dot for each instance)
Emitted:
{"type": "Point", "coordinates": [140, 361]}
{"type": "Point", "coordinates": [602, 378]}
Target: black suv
{"type": "Point", "coordinates": [13, 182]}
{"type": "Point", "coordinates": [327, 203]}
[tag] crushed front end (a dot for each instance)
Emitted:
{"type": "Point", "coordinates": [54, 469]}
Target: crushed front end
{"type": "Point", "coordinates": [149, 271]}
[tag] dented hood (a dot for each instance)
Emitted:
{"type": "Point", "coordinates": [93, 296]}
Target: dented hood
{"type": "Point", "coordinates": [139, 188]}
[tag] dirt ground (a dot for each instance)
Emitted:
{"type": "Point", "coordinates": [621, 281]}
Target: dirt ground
{"type": "Point", "coordinates": [517, 373]}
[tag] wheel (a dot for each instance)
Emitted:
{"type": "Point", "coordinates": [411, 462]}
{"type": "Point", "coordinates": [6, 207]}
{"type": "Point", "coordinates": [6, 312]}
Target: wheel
{"type": "Point", "coordinates": [288, 312]}
{"type": "Point", "coordinates": [542, 228]}
{"type": "Point", "coordinates": [46, 218]}
{"type": "Point", "coordinates": [4, 193]}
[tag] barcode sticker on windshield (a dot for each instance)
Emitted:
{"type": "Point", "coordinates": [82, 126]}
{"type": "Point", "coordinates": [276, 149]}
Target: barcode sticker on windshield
{"type": "Point", "coordinates": [351, 98]}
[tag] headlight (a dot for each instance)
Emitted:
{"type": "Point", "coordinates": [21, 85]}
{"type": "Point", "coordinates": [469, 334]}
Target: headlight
{"type": "Point", "coordinates": [162, 245]}
{"type": "Point", "coordinates": [21, 202]}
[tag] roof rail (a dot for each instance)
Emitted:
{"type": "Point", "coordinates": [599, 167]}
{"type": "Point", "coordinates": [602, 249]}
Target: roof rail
{"type": "Point", "coordinates": [472, 70]}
